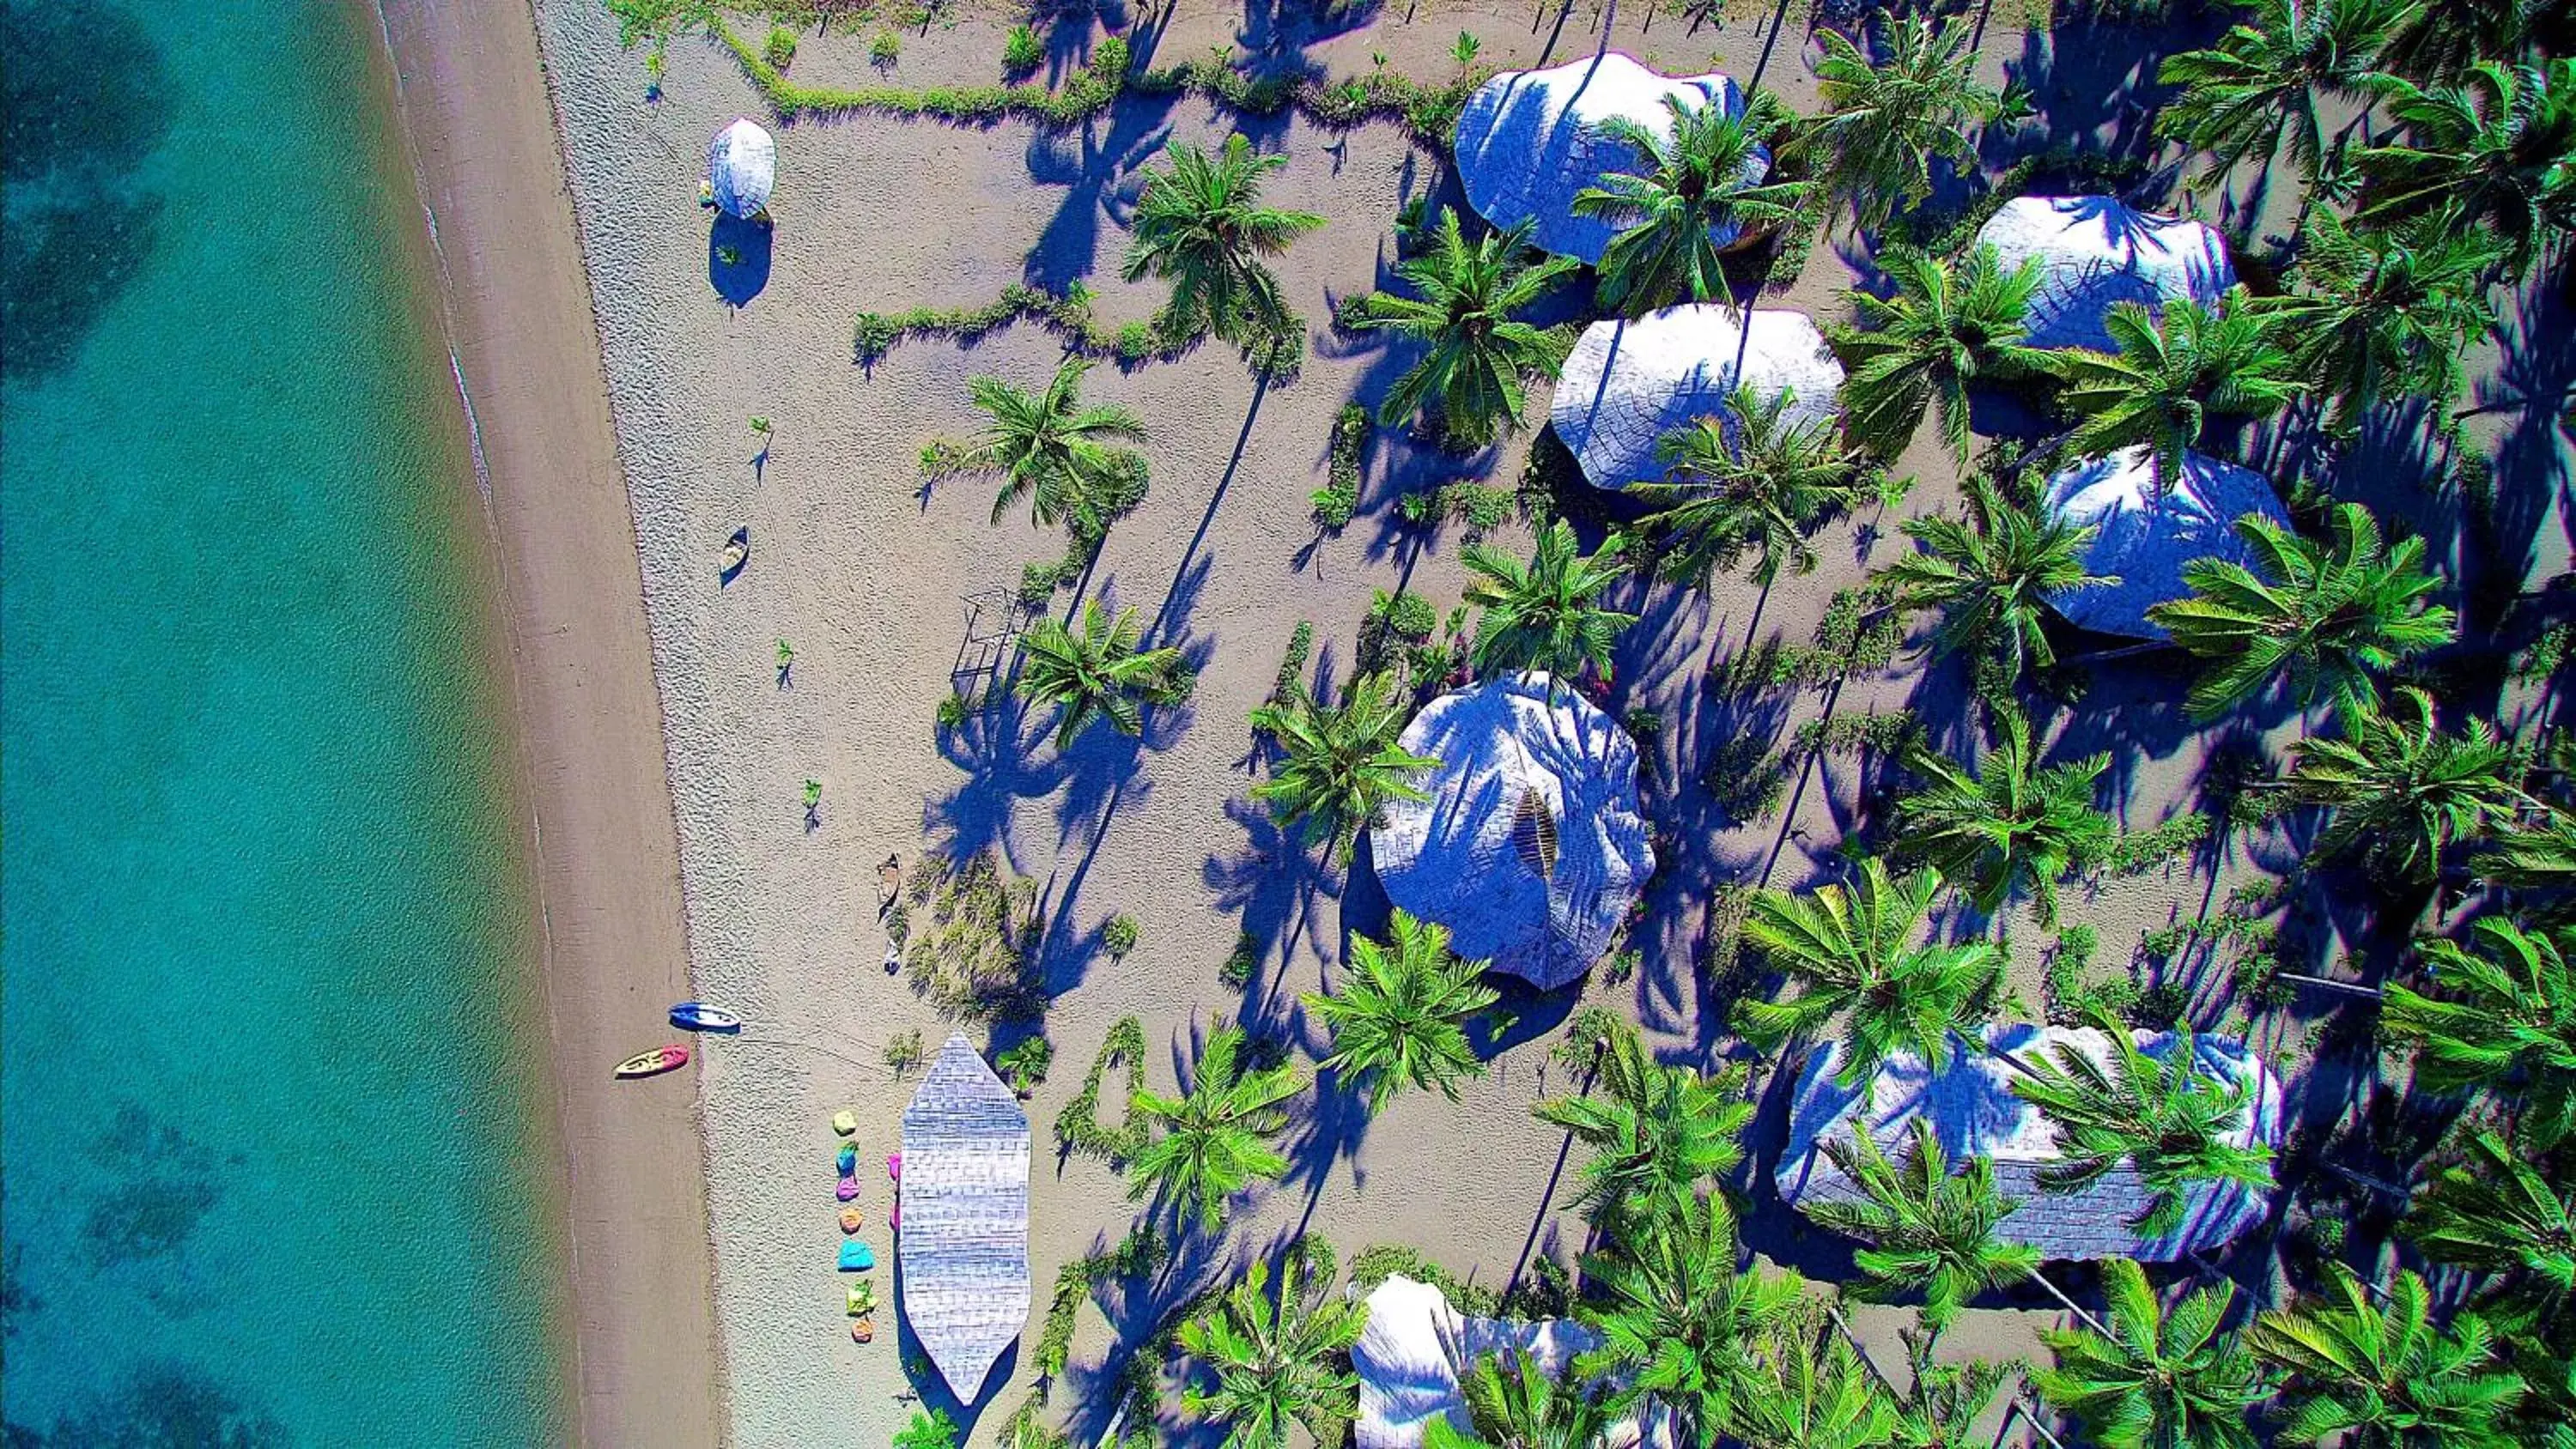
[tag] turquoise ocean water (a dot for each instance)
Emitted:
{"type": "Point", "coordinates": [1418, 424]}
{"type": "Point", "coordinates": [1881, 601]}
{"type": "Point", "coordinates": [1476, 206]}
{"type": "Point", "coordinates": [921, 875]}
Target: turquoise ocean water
{"type": "Point", "coordinates": [267, 1133]}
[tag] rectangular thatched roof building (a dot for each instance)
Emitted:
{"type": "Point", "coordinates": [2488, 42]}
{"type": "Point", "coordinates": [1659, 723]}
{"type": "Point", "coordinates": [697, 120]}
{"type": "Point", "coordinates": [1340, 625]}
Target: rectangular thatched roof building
{"type": "Point", "coordinates": [963, 1248]}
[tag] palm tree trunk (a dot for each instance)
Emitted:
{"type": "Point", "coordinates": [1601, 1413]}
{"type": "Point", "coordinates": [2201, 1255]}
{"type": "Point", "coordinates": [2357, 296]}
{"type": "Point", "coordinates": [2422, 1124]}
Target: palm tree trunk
{"type": "Point", "coordinates": [2368, 1183]}
{"type": "Point", "coordinates": [2069, 1304]}
{"type": "Point", "coordinates": [2349, 988]}
{"type": "Point", "coordinates": [2021, 1405]}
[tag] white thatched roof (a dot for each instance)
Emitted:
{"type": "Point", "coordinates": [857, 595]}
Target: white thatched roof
{"type": "Point", "coordinates": [1410, 1355]}
{"type": "Point", "coordinates": [1530, 849]}
{"type": "Point", "coordinates": [1973, 1112]}
{"type": "Point", "coordinates": [964, 1244]}
{"type": "Point", "coordinates": [1627, 384]}
{"type": "Point", "coordinates": [2149, 532]}
{"type": "Point", "coordinates": [741, 166]}
{"type": "Point", "coordinates": [1529, 140]}
{"type": "Point", "coordinates": [2093, 252]}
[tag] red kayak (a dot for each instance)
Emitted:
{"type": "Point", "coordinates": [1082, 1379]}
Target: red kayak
{"type": "Point", "coordinates": [655, 1062]}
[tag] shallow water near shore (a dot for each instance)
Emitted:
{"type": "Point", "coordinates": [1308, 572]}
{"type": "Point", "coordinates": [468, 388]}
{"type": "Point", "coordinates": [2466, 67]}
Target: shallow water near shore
{"type": "Point", "coordinates": [271, 1160]}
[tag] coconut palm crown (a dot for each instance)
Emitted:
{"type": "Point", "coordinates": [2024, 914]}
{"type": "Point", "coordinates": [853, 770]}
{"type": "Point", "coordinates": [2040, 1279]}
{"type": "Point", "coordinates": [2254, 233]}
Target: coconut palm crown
{"type": "Point", "coordinates": [1052, 451]}
{"type": "Point", "coordinates": [2381, 1374]}
{"type": "Point", "coordinates": [1212, 1141]}
{"type": "Point", "coordinates": [2401, 789]}
{"type": "Point", "coordinates": [1990, 576]}
{"type": "Point", "coordinates": [2497, 144]}
{"type": "Point", "coordinates": [1658, 1133]}
{"type": "Point", "coordinates": [2262, 82]}
{"type": "Point", "coordinates": [1479, 351]}
{"type": "Point", "coordinates": [1931, 1230]}
{"type": "Point", "coordinates": [1339, 764]}
{"type": "Point", "coordinates": [1885, 121]}
{"type": "Point", "coordinates": [2173, 370]}
{"type": "Point", "coordinates": [1815, 1394]}
{"type": "Point", "coordinates": [1545, 614]}
{"type": "Point", "coordinates": [2324, 614]}
{"type": "Point", "coordinates": [1946, 326]}
{"type": "Point", "coordinates": [1275, 1364]}
{"type": "Point", "coordinates": [2384, 314]}
{"type": "Point", "coordinates": [1679, 1322]}
{"type": "Point", "coordinates": [1096, 673]}
{"type": "Point", "coordinates": [2504, 1024]}
{"type": "Point", "coordinates": [1749, 480]}
{"type": "Point", "coordinates": [1853, 954]}
{"type": "Point", "coordinates": [1514, 1402]}
{"type": "Point", "coordinates": [2154, 1381]}
{"type": "Point", "coordinates": [1200, 225]}
{"type": "Point", "coordinates": [2495, 1213]}
{"type": "Point", "coordinates": [1705, 175]}
{"type": "Point", "coordinates": [2008, 824]}
{"type": "Point", "coordinates": [1399, 1019]}
{"type": "Point", "coordinates": [2163, 1116]}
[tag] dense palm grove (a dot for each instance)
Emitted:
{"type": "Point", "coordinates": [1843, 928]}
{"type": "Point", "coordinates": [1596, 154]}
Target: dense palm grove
{"type": "Point", "coordinates": [2433, 145]}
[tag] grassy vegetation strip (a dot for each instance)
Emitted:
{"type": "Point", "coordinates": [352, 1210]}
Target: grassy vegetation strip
{"type": "Point", "coordinates": [1066, 314]}
{"type": "Point", "coordinates": [1077, 1127]}
{"type": "Point", "coordinates": [1340, 496]}
{"type": "Point", "coordinates": [1086, 92]}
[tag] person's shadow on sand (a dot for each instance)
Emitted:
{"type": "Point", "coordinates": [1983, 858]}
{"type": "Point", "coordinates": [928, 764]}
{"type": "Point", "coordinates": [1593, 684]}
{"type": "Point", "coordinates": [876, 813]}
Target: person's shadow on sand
{"type": "Point", "coordinates": [738, 258]}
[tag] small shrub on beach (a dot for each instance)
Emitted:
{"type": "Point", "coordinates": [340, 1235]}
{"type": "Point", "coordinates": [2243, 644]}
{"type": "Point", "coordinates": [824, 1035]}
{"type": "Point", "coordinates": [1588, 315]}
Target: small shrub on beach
{"type": "Point", "coordinates": [1235, 972]}
{"type": "Point", "coordinates": [928, 1430]}
{"type": "Point", "coordinates": [953, 710]}
{"type": "Point", "coordinates": [1119, 936]}
{"type": "Point", "coordinates": [1022, 53]}
{"type": "Point", "coordinates": [903, 1052]}
{"type": "Point", "coordinates": [974, 937]}
{"type": "Point", "coordinates": [1026, 1063]}
{"type": "Point", "coordinates": [780, 48]}
{"type": "Point", "coordinates": [1340, 495]}
{"type": "Point", "coordinates": [1039, 581]}
{"type": "Point", "coordinates": [883, 52]}
{"type": "Point", "coordinates": [1292, 665]}
{"type": "Point", "coordinates": [1481, 507]}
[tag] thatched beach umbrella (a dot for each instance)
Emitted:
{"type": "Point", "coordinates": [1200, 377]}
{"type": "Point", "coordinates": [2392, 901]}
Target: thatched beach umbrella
{"type": "Point", "coordinates": [964, 1245]}
{"type": "Point", "coordinates": [1529, 140]}
{"type": "Point", "coordinates": [1627, 384]}
{"type": "Point", "coordinates": [1530, 848]}
{"type": "Point", "coordinates": [2149, 528]}
{"type": "Point", "coordinates": [2093, 252]}
{"type": "Point", "coordinates": [1416, 1346]}
{"type": "Point", "coordinates": [741, 166]}
{"type": "Point", "coordinates": [1969, 1103]}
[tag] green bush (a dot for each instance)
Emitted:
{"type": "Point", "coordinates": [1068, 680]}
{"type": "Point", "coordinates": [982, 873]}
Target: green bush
{"type": "Point", "coordinates": [1038, 582]}
{"type": "Point", "coordinates": [886, 48]}
{"type": "Point", "coordinates": [1026, 1063]}
{"type": "Point", "coordinates": [1292, 665]}
{"type": "Point", "coordinates": [780, 48]}
{"type": "Point", "coordinates": [903, 1053]}
{"type": "Point", "coordinates": [1119, 936]}
{"type": "Point", "coordinates": [1235, 973]}
{"type": "Point", "coordinates": [953, 709]}
{"type": "Point", "coordinates": [1022, 53]}
{"type": "Point", "coordinates": [1480, 507]}
{"type": "Point", "coordinates": [1077, 1127]}
{"type": "Point", "coordinates": [928, 1430]}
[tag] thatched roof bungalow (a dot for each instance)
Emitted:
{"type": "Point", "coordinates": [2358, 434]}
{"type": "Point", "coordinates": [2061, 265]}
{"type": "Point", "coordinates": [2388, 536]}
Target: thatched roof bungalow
{"type": "Point", "coordinates": [1530, 849]}
{"type": "Point", "coordinates": [2095, 252]}
{"type": "Point", "coordinates": [1530, 140]}
{"type": "Point", "coordinates": [964, 1246]}
{"type": "Point", "coordinates": [1416, 1345]}
{"type": "Point", "coordinates": [2149, 528]}
{"type": "Point", "coordinates": [1974, 1113]}
{"type": "Point", "coordinates": [1628, 383]}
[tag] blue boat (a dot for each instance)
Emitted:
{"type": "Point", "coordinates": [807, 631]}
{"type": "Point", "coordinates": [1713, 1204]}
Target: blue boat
{"type": "Point", "coordinates": [698, 1016]}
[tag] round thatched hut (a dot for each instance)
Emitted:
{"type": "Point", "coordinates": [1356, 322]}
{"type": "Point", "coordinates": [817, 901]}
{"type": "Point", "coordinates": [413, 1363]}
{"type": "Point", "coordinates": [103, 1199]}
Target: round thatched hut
{"type": "Point", "coordinates": [1529, 140]}
{"type": "Point", "coordinates": [1628, 383]}
{"type": "Point", "coordinates": [742, 164]}
{"type": "Point", "coordinates": [2149, 528]}
{"type": "Point", "coordinates": [2095, 252]}
{"type": "Point", "coordinates": [1530, 848]}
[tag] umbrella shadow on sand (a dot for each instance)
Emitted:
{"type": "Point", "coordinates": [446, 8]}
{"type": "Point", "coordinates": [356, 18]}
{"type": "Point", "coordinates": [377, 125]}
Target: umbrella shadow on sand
{"type": "Point", "coordinates": [738, 258]}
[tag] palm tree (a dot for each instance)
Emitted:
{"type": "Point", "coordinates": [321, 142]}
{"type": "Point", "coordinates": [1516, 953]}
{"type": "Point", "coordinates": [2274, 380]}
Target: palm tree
{"type": "Point", "coordinates": [1052, 451]}
{"type": "Point", "coordinates": [1948, 1404]}
{"type": "Point", "coordinates": [1545, 614]}
{"type": "Point", "coordinates": [1276, 1364]}
{"type": "Point", "coordinates": [1918, 350]}
{"type": "Point", "coordinates": [1400, 1018]}
{"type": "Point", "coordinates": [1201, 226]}
{"type": "Point", "coordinates": [1213, 1142]}
{"type": "Point", "coordinates": [1883, 123]}
{"type": "Point", "coordinates": [2163, 1116]}
{"type": "Point", "coordinates": [1678, 1322]}
{"type": "Point", "coordinates": [2263, 81]}
{"type": "Point", "coordinates": [1515, 1403]}
{"type": "Point", "coordinates": [2495, 1213]}
{"type": "Point", "coordinates": [1990, 578]}
{"type": "Point", "coordinates": [2385, 313]}
{"type": "Point", "coordinates": [1096, 673]}
{"type": "Point", "coordinates": [2154, 1382]}
{"type": "Point", "coordinates": [2383, 1375]}
{"type": "Point", "coordinates": [1748, 480]}
{"type": "Point", "coordinates": [2171, 372]}
{"type": "Point", "coordinates": [2401, 791]}
{"type": "Point", "coordinates": [1707, 175]}
{"type": "Point", "coordinates": [1340, 764]}
{"type": "Point", "coordinates": [1853, 955]}
{"type": "Point", "coordinates": [2325, 614]}
{"type": "Point", "coordinates": [1931, 1231]}
{"type": "Point", "coordinates": [2506, 1024]}
{"type": "Point", "coordinates": [2537, 855]}
{"type": "Point", "coordinates": [2446, 37]}
{"type": "Point", "coordinates": [2495, 144]}
{"type": "Point", "coordinates": [2008, 824]}
{"type": "Point", "coordinates": [1656, 1131]}
{"type": "Point", "coordinates": [1478, 351]}
{"type": "Point", "coordinates": [1816, 1394]}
